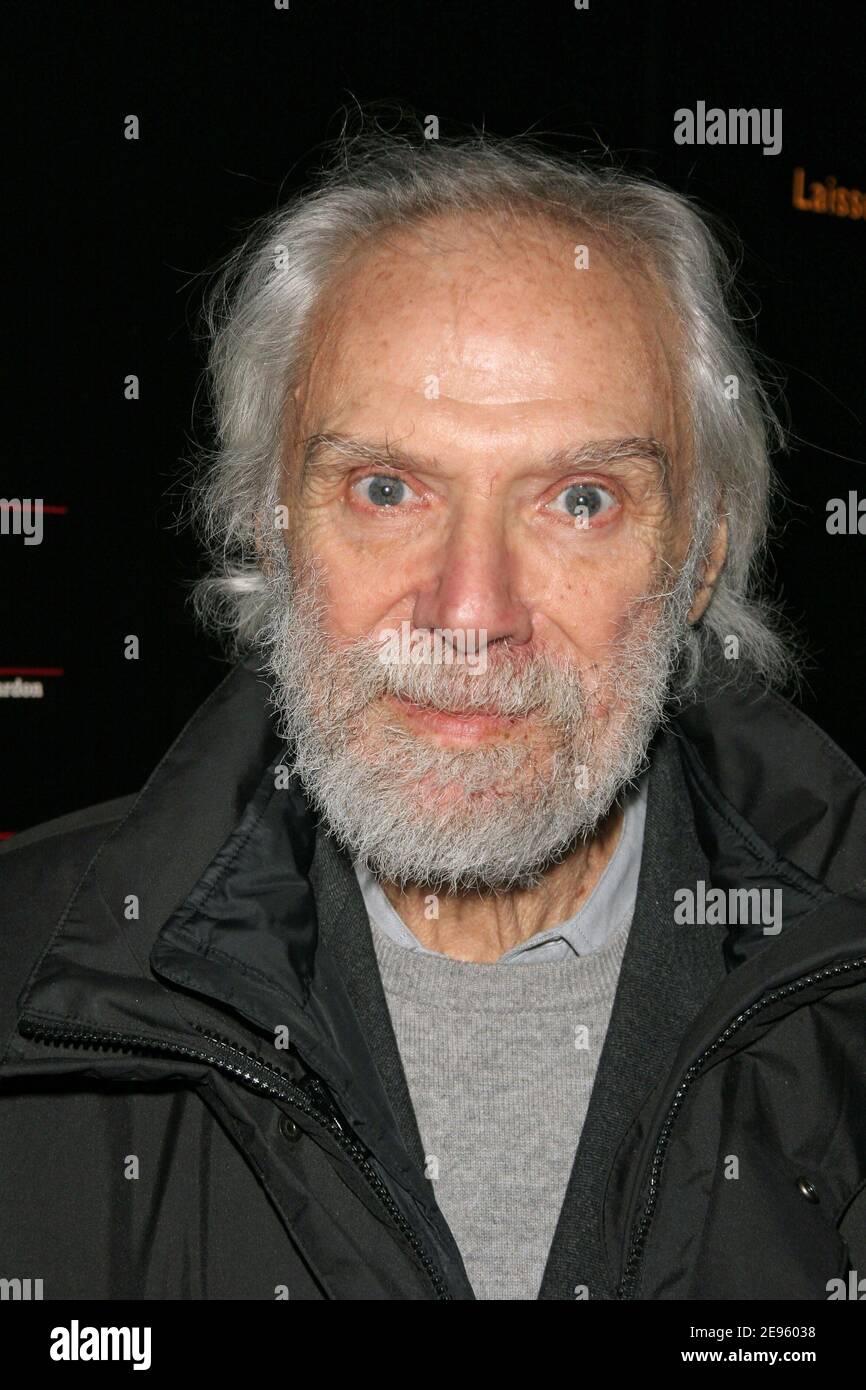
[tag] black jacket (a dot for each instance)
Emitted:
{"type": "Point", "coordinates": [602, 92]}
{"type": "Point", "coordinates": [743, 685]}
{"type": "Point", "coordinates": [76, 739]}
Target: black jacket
{"type": "Point", "coordinates": [155, 1142]}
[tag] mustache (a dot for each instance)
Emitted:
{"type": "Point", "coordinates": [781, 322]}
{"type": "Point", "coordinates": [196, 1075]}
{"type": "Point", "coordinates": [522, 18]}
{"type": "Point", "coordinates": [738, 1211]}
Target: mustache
{"type": "Point", "coordinates": [514, 684]}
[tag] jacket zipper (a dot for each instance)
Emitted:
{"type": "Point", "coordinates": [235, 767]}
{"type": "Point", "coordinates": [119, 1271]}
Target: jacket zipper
{"type": "Point", "coordinates": [640, 1230]}
{"type": "Point", "coordinates": [242, 1065]}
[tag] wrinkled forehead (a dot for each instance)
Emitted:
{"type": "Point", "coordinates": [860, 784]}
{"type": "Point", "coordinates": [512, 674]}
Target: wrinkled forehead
{"type": "Point", "coordinates": [492, 311]}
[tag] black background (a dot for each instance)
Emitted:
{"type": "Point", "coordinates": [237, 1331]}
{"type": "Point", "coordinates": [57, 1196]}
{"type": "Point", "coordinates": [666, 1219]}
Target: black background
{"type": "Point", "coordinates": [109, 241]}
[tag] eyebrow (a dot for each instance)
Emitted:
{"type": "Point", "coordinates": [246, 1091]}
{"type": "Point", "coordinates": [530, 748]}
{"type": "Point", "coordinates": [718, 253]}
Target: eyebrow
{"type": "Point", "coordinates": [317, 447]}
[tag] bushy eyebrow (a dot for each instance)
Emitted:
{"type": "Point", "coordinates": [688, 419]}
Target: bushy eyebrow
{"type": "Point", "coordinates": [323, 451]}
{"type": "Point", "coordinates": [317, 448]}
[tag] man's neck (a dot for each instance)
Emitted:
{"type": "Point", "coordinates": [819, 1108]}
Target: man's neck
{"type": "Point", "coordinates": [481, 927]}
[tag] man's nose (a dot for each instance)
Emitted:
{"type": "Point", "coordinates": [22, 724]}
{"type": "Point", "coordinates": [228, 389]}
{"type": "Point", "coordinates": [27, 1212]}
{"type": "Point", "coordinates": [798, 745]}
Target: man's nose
{"type": "Point", "coordinates": [474, 586]}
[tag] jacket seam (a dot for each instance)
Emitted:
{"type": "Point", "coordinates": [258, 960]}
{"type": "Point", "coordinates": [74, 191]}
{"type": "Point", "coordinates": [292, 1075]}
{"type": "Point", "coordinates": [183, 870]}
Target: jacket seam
{"type": "Point", "coordinates": [849, 1202]}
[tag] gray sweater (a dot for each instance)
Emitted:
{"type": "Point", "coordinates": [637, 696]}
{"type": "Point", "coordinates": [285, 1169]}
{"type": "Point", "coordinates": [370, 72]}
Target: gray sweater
{"type": "Point", "coordinates": [500, 1063]}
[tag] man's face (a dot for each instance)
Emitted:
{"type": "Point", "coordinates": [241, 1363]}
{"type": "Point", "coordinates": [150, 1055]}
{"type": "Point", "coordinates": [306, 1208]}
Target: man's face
{"type": "Point", "coordinates": [458, 464]}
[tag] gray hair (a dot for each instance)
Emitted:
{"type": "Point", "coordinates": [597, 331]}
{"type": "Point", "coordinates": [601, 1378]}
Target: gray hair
{"type": "Point", "coordinates": [259, 309]}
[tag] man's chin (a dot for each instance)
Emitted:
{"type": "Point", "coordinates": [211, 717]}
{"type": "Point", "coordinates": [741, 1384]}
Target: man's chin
{"type": "Point", "coordinates": [439, 835]}
{"type": "Point", "coordinates": [457, 875]}
{"type": "Point", "coordinates": [475, 822]}
{"type": "Point", "coordinates": [484, 807]}
{"type": "Point", "coordinates": [431, 776]}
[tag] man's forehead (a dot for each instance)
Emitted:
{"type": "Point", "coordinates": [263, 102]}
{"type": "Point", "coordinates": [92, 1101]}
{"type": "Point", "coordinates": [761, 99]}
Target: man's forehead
{"type": "Point", "coordinates": [470, 290]}
{"type": "Point", "coordinates": [594, 340]}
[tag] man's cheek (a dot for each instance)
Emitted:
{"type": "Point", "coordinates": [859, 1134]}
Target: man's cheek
{"type": "Point", "coordinates": [595, 623]}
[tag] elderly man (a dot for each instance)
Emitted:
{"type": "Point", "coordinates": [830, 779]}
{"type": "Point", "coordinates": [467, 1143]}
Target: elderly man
{"type": "Point", "coordinates": [494, 930]}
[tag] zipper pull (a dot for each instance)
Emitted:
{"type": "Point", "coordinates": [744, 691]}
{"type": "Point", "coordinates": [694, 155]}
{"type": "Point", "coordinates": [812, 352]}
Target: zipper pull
{"type": "Point", "coordinates": [321, 1097]}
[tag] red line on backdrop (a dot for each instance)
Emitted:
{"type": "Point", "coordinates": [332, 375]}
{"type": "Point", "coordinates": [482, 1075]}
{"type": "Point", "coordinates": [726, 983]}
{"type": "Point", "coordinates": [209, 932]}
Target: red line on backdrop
{"type": "Point", "coordinates": [37, 507]}
{"type": "Point", "coordinates": [31, 670]}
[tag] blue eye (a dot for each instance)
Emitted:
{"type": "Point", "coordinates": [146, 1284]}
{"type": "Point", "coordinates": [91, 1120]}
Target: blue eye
{"type": "Point", "coordinates": [383, 490]}
{"type": "Point", "coordinates": [584, 500]}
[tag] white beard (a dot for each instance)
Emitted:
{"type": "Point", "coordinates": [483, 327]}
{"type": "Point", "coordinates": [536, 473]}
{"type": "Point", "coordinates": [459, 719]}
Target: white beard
{"type": "Point", "coordinates": [494, 816]}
